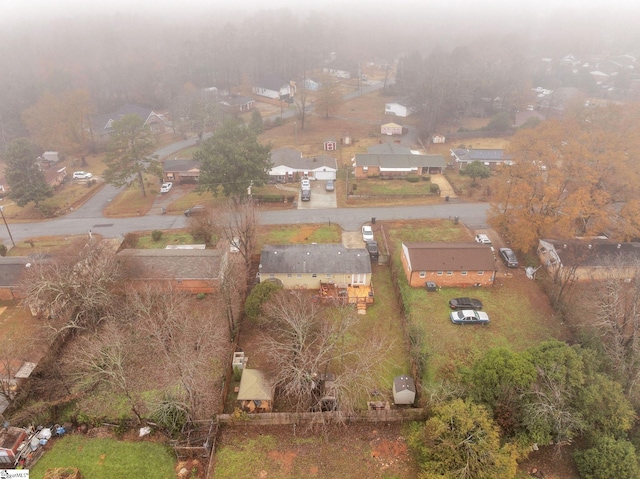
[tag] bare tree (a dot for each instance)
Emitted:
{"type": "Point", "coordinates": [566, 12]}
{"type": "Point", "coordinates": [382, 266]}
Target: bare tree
{"type": "Point", "coordinates": [308, 345]}
{"type": "Point", "coordinates": [78, 284]}
{"type": "Point", "coordinates": [232, 288]}
{"type": "Point", "coordinates": [237, 224]}
{"type": "Point", "coordinates": [8, 369]}
{"type": "Point", "coordinates": [102, 356]}
{"type": "Point", "coordinates": [188, 340]}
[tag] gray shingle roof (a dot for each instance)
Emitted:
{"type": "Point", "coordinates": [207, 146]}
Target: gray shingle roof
{"type": "Point", "coordinates": [271, 82]}
{"type": "Point", "coordinates": [595, 253]}
{"type": "Point", "coordinates": [401, 161]}
{"type": "Point", "coordinates": [180, 165]}
{"type": "Point", "coordinates": [402, 383]}
{"type": "Point", "coordinates": [11, 270]}
{"type": "Point", "coordinates": [314, 258]}
{"type": "Point", "coordinates": [450, 257]}
{"type": "Point", "coordinates": [293, 159]}
{"type": "Point", "coordinates": [388, 149]}
{"type": "Point", "coordinates": [481, 154]}
{"type": "Point", "coordinates": [101, 122]}
{"type": "Point", "coordinates": [159, 264]}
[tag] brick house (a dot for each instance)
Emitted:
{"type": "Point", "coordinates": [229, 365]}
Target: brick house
{"type": "Point", "coordinates": [192, 270]}
{"type": "Point", "coordinates": [448, 264]}
{"type": "Point", "coordinates": [181, 171]}
{"type": "Point", "coordinates": [393, 165]}
{"type": "Point", "coordinates": [12, 269]}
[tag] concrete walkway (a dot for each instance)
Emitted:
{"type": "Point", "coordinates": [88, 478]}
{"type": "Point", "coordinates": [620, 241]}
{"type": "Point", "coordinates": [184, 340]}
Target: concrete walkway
{"type": "Point", "coordinates": [445, 187]}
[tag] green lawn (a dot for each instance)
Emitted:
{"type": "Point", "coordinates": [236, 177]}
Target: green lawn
{"type": "Point", "coordinates": [373, 186]}
{"type": "Point", "coordinates": [300, 234]}
{"type": "Point", "coordinates": [168, 237]}
{"type": "Point", "coordinates": [107, 458]}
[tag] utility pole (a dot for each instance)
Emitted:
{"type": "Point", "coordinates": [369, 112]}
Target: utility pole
{"type": "Point", "coordinates": [7, 226]}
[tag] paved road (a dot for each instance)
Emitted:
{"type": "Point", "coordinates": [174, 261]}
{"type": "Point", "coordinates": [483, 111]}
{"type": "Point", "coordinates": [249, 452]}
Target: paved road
{"type": "Point", "coordinates": [81, 221]}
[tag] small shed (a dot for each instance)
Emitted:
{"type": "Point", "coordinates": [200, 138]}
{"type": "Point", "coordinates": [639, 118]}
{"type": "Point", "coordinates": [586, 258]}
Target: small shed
{"type": "Point", "coordinates": [438, 138]}
{"type": "Point", "coordinates": [391, 129]}
{"type": "Point", "coordinates": [404, 390]}
{"type": "Point", "coordinates": [330, 144]}
{"type": "Point", "coordinates": [255, 394]}
{"type": "Point", "coordinates": [10, 440]}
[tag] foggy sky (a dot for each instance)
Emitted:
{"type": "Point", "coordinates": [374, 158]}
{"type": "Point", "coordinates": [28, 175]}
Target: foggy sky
{"type": "Point", "coordinates": [12, 11]}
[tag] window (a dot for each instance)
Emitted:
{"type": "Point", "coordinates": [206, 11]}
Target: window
{"type": "Point", "coordinates": [480, 273]}
{"type": "Point", "coordinates": [449, 273]}
{"type": "Point", "coordinates": [272, 275]}
{"type": "Point", "coordinates": [423, 274]}
{"type": "Point", "coordinates": [314, 275]}
{"type": "Point", "coordinates": [463, 273]}
{"type": "Point", "coordinates": [439, 273]}
{"type": "Point", "coordinates": [365, 168]}
{"type": "Point", "coordinates": [289, 275]}
{"type": "Point", "coordinates": [298, 275]}
{"type": "Point", "coordinates": [329, 275]}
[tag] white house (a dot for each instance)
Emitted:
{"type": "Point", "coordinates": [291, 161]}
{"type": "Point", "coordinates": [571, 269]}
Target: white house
{"type": "Point", "coordinates": [398, 108]}
{"type": "Point", "coordinates": [271, 86]}
{"type": "Point", "coordinates": [391, 129]}
{"type": "Point", "coordinates": [289, 165]}
{"type": "Point", "coordinates": [437, 138]}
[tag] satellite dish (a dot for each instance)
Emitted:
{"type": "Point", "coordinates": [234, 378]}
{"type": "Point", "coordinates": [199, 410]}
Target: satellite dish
{"type": "Point", "coordinates": [531, 271]}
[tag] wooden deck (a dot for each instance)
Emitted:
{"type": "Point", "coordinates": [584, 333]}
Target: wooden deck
{"type": "Point", "coordinates": [359, 295]}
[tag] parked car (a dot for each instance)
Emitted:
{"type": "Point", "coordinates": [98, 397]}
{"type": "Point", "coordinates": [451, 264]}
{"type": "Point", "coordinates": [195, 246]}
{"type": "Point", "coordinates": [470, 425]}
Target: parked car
{"type": "Point", "coordinates": [468, 316]}
{"type": "Point", "coordinates": [482, 238]}
{"type": "Point", "coordinates": [166, 187]}
{"type": "Point", "coordinates": [305, 195]}
{"type": "Point", "coordinates": [509, 257]}
{"type": "Point", "coordinates": [465, 303]}
{"type": "Point", "coordinates": [330, 186]}
{"type": "Point", "coordinates": [367, 233]}
{"type": "Point", "coordinates": [306, 184]}
{"type": "Point", "coordinates": [195, 210]}
{"type": "Point", "coordinates": [82, 175]}
{"type": "Point", "coordinates": [372, 248]}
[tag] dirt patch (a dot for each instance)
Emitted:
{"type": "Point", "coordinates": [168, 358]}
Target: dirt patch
{"type": "Point", "coordinates": [191, 469]}
{"type": "Point", "coordinates": [284, 458]}
{"type": "Point", "coordinates": [389, 452]}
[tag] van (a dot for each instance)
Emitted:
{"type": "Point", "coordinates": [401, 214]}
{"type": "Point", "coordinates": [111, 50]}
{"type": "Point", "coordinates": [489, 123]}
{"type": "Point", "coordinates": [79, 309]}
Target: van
{"type": "Point", "coordinates": [305, 195]}
{"type": "Point", "coordinates": [482, 238]}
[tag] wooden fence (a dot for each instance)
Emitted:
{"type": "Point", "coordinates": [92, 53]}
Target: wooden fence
{"type": "Point", "coordinates": [328, 417]}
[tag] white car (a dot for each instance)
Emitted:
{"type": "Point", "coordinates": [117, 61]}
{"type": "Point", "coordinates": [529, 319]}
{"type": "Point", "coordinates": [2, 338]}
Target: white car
{"type": "Point", "coordinates": [166, 187]}
{"type": "Point", "coordinates": [82, 175]}
{"type": "Point", "coordinates": [483, 238]}
{"type": "Point", "coordinates": [367, 233]}
{"type": "Point", "coordinates": [306, 184]}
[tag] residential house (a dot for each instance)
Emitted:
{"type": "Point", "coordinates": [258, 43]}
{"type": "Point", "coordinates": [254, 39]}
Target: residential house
{"type": "Point", "coordinates": [12, 269]}
{"type": "Point", "coordinates": [272, 86]}
{"type": "Point", "coordinates": [289, 165]}
{"type": "Point", "coordinates": [592, 259]}
{"type": "Point", "coordinates": [256, 390]}
{"type": "Point", "coordinates": [102, 125]}
{"type": "Point", "coordinates": [330, 144]}
{"type": "Point", "coordinates": [398, 108]}
{"type": "Point", "coordinates": [390, 165]}
{"type": "Point", "coordinates": [490, 157]}
{"type": "Point", "coordinates": [55, 176]}
{"type": "Point", "coordinates": [391, 129]}
{"type": "Point", "coordinates": [388, 149]}
{"type": "Point", "coordinates": [448, 264]}
{"type": "Point", "coordinates": [48, 158]}
{"type": "Point", "coordinates": [344, 70]}
{"type": "Point", "coordinates": [438, 138]}
{"type": "Point", "coordinates": [181, 171]}
{"type": "Point", "coordinates": [192, 270]}
{"type": "Point", "coordinates": [308, 266]}
{"type": "Point", "coordinates": [404, 390]}
{"type": "Point", "coordinates": [238, 103]}
{"type": "Point", "coordinates": [312, 85]}
{"type": "Point", "coordinates": [11, 438]}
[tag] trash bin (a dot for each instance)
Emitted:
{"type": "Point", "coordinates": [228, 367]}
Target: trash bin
{"type": "Point", "coordinates": [373, 220]}
{"type": "Point", "coordinates": [446, 198]}
{"type": "Point", "coordinates": [455, 220]}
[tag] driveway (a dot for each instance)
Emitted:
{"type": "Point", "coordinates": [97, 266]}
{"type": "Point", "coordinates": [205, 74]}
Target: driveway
{"type": "Point", "coordinates": [320, 198]}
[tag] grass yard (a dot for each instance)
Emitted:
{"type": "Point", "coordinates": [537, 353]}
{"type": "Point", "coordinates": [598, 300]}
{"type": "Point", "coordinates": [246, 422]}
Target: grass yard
{"type": "Point", "coordinates": [350, 452]}
{"type": "Point", "coordinates": [172, 237]}
{"type": "Point", "coordinates": [520, 313]}
{"type": "Point", "coordinates": [131, 202]}
{"type": "Point", "coordinates": [105, 458]}
{"type": "Point", "coordinates": [396, 187]}
{"type": "Point", "coordinates": [299, 234]}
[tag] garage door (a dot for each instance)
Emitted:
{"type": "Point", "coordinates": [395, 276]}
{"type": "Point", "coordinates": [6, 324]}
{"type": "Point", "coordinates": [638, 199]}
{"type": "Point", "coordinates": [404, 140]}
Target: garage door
{"type": "Point", "coordinates": [325, 175]}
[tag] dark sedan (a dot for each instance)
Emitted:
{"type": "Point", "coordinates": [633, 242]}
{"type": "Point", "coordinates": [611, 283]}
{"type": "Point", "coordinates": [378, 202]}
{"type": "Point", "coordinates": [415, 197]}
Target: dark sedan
{"type": "Point", "coordinates": [509, 257]}
{"type": "Point", "coordinates": [465, 303]}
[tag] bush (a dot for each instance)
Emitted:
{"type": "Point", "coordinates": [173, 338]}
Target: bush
{"type": "Point", "coordinates": [259, 295]}
{"type": "Point", "coordinates": [426, 178]}
{"type": "Point", "coordinates": [200, 296]}
{"type": "Point", "coordinates": [354, 187]}
{"type": "Point", "coordinates": [434, 189]}
{"type": "Point", "coordinates": [156, 235]}
{"type": "Point", "coordinates": [412, 178]}
{"type": "Point", "coordinates": [608, 458]}
{"type": "Point", "coordinates": [3, 250]}
{"type": "Point", "coordinates": [269, 198]}
{"type": "Point", "coordinates": [130, 240]}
